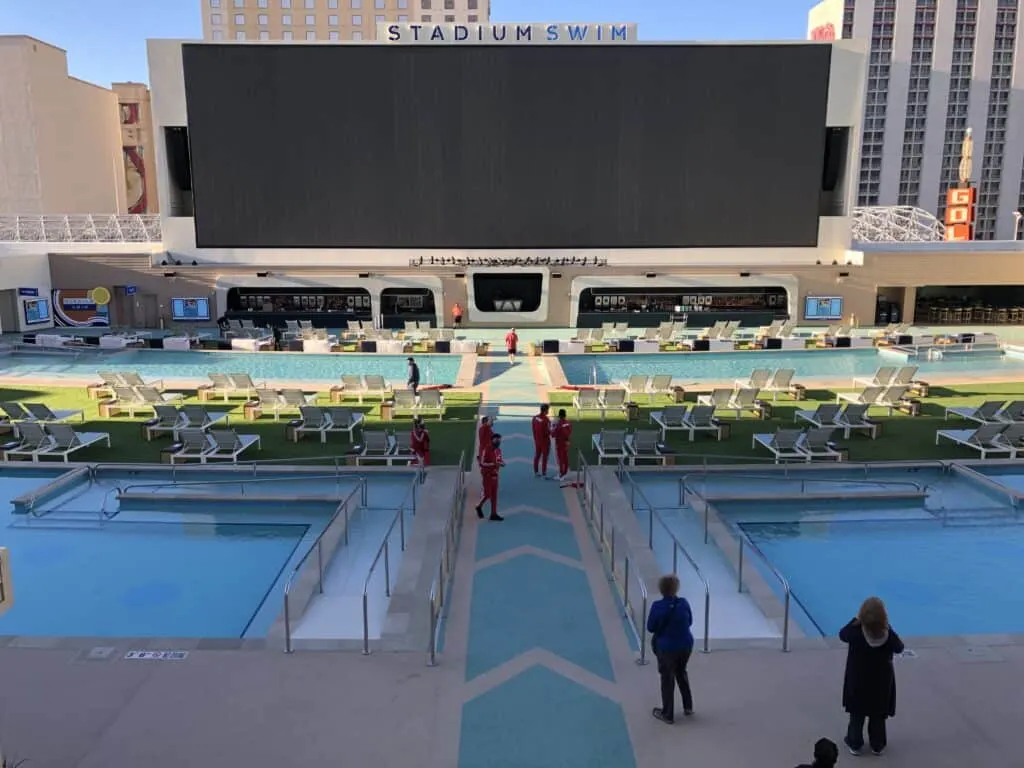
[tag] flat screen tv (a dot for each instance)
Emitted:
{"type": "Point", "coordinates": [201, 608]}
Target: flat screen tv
{"type": "Point", "coordinates": [823, 308]}
{"type": "Point", "coordinates": [186, 310]}
{"type": "Point", "coordinates": [37, 311]}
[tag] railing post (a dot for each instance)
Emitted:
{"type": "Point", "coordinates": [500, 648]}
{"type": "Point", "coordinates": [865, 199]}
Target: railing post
{"type": "Point", "coordinates": [739, 570]}
{"type": "Point", "coordinates": [287, 626]}
{"type": "Point", "coordinates": [650, 528]}
{"type": "Point", "coordinates": [346, 522]}
{"type": "Point", "coordinates": [785, 626]}
{"type": "Point", "coordinates": [387, 569]}
{"type": "Point", "coordinates": [642, 631]}
{"type": "Point", "coordinates": [601, 523]}
{"type": "Point", "coordinates": [675, 558]}
{"type": "Point", "coordinates": [320, 566]}
{"type": "Point", "coordinates": [612, 552]}
{"type": "Point", "coordinates": [401, 526]}
{"type": "Point", "coordinates": [366, 626]}
{"type": "Point", "coordinates": [625, 584]}
{"type": "Point", "coordinates": [432, 645]}
{"type": "Point", "coordinates": [707, 618]}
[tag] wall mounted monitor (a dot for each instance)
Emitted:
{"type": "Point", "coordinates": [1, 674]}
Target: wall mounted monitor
{"type": "Point", "coordinates": [823, 308]}
{"type": "Point", "coordinates": [187, 310]}
{"type": "Point", "coordinates": [37, 311]}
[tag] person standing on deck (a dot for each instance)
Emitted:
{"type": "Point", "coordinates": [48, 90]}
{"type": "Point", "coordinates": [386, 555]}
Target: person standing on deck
{"type": "Point", "coordinates": [457, 316]}
{"type": "Point", "coordinates": [491, 463]}
{"type": "Point", "coordinates": [541, 441]}
{"type": "Point", "coordinates": [420, 442]}
{"type": "Point", "coordinates": [483, 435]}
{"type": "Point", "coordinates": [414, 377]}
{"type": "Point", "coordinates": [512, 345]}
{"type": "Point", "coordinates": [562, 433]}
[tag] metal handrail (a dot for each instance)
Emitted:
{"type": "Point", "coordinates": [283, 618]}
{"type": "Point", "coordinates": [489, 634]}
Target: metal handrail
{"type": "Point", "coordinates": [677, 546]}
{"type": "Point", "coordinates": [316, 546]}
{"type": "Point", "coordinates": [787, 592]}
{"type": "Point", "coordinates": [596, 521]}
{"type": "Point", "coordinates": [452, 535]}
{"type": "Point", "coordinates": [242, 482]}
{"type": "Point", "coordinates": [385, 551]}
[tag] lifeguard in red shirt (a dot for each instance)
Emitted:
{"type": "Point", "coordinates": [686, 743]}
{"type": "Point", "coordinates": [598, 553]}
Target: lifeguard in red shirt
{"type": "Point", "coordinates": [483, 435]}
{"type": "Point", "coordinates": [561, 431]}
{"type": "Point", "coordinates": [541, 441]}
{"type": "Point", "coordinates": [512, 345]}
{"type": "Point", "coordinates": [490, 464]}
{"type": "Point", "coordinates": [421, 441]}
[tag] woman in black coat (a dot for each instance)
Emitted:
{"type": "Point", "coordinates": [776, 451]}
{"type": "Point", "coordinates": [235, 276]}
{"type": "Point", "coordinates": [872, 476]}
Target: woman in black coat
{"type": "Point", "coordinates": [869, 687]}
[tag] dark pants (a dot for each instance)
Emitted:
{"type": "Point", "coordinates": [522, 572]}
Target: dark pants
{"type": "Point", "coordinates": [562, 452]}
{"type": "Point", "coordinates": [541, 451]}
{"type": "Point", "coordinates": [672, 668]}
{"type": "Point", "coordinates": [490, 492]}
{"type": "Point", "coordinates": [414, 385]}
{"type": "Point", "coordinates": [876, 732]}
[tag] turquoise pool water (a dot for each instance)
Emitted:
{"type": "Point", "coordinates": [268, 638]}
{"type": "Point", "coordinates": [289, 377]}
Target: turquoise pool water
{"type": "Point", "coordinates": [842, 364]}
{"type": "Point", "coordinates": [172, 568]}
{"type": "Point", "coordinates": [161, 364]}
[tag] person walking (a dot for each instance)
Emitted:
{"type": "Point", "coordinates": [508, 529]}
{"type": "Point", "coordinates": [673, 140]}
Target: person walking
{"type": "Point", "coordinates": [669, 623]}
{"type": "Point", "coordinates": [457, 316]}
{"type": "Point", "coordinates": [491, 463]}
{"type": "Point", "coordinates": [414, 377]}
{"type": "Point", "coordinates": [541, 441]}
{"type": "Point", "coordinates": [562, 433]}
{"type": "Point", "coordinates": [826, 755]}
{"type": "Point", "coordinates": [420, 442]}
{"type": "Point", "coordinates": [512, 345]}
{"type": "Point", "coordinates": [483, 435]}
{"type": "Point", "coordinates": [869, 682]}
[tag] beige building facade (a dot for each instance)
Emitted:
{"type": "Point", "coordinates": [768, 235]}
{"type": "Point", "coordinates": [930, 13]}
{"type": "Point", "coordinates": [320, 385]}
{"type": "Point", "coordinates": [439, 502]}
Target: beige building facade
{"type": "Point", "coordinates": [60, 137]}
{"type": "Point", "coordinates": [328, 19]}
{"type": "Point", "coordinates": [136, 115]}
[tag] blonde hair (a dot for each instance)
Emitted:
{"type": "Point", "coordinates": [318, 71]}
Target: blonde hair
{"type": "Point", "coordinates": [873, 617]}
{"type": "Point", "coordinates": [668, 585]}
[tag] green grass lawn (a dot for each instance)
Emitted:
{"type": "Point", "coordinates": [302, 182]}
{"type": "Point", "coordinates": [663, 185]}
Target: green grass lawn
{"type": "Point", "coordinates": [902, 437]}
{"type": "Point", "coordinates": [448, 438]}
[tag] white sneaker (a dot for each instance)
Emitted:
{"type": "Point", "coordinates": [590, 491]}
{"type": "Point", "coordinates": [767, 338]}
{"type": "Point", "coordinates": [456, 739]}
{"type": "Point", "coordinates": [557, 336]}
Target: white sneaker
{"type": "Point", "coordinates": [563, 478]}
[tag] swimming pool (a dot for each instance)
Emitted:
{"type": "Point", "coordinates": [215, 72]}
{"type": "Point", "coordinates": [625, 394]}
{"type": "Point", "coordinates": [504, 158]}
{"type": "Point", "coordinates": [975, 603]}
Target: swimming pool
{"type": "Point", "coordinates": [942, 548]}
{"type": "Point", "coordinates": [277, 366]}
{"type": "Point", "coordinates": [839, 364]}
{"type": "Point", "coordinates": [176, 567]}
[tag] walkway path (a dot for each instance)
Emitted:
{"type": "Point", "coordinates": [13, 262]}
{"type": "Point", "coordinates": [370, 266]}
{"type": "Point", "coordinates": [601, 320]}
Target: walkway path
{"type": "Point", "coordinates": [533, 615]}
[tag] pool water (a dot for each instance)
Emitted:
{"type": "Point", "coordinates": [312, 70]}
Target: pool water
{"type": "Point", "coordinates": [841, 364]}
{"type": "Point", "coordinates": [161, 364]}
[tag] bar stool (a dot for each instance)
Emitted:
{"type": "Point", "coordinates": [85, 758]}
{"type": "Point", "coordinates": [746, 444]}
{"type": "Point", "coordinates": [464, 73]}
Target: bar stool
{"type": "Point", "coordinates": [1015, 315]}
{"type": "Point", "coordinates": [1003, 316]}
{"type": "Point", "coordinates": [944, 316]}
{"type": "Point", "coordinates": [990, 315]}
{"type": "Point", "coordinates": [956, 316]}
{"type": "Point", "coordinates": [933, 314]}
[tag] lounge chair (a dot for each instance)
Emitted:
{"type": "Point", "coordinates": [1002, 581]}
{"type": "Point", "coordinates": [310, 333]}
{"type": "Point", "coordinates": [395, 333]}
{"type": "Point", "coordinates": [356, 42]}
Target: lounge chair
{"type": "Point", "coordinates": [133, 399]}
{"type": "Point", "coordinates": [109, 380]}
{"type": "Point", "coordinates": [403, 401]}
{"type": "Point", "coordinates": [33, 439]}
{"type": "Point", "coordinates": [431, 400]}
{"type": "Point", "coordinates": [758, 379]}
{"type": "Point", "coordinates": [242, 384]}
{"type": "Point", "coordinates": [377, 446]}
{"type": "Point", "coordinates": [904, 376]}
{"type": "Point", "coordinates": [1012, 437]}
{"type": "Point", "coordinates": [702, 419]}
{"type": "Point", "coordinates": [586, 400]}
{"type": "Point", "coordinates": [197, 417]}
{"type": "Point", "coordinates": [986, 413]}
{"type": "Point", "coordinates": [881, 377]}
{"type": "Point", "coordinates": [784, 444]}
{"type": "Point", "coordinates": [1012, 413]}
{"type": "Point", "coordinates": [376, 385]}
{"type": "Point", "coordinates": [64, 441]}
{"type": "Point", "coordinates": [817, 444]}
{"type": "Point", "coordinates": [612, 400]}
{"type": "Point", "coordinates": [891, 398]}
{"type": "Point", "coordinates": [638, 384]}
{"type": "Point", "coordinates": [132, 379]}
{"type": "Point", "coordinates": [43, 414]}
{"type": "Point", "coordinates": [822, 416]}
{"type": "Point", "coordinates": [644, 444]}
{"type": "Point", "coordinates": [780, 382]}
{"type": "Point", "coordinates": [227, 444]}
{"type": "Point", "coordinates": [610, 444]}
{"type": "Point", "coordinates": [194, 445]}
{"type": "Point", "coordinates": [221, 385]}
{"type": "Point", "coordinates": [285, 400]}
{"type": "Point", "coordinates": [168, 420]}
{"type": "Point", "coordinates": [984, 439]}
{"type": "Point", "coordinates": [344, 420]}
{"type": "Point", "coordinates": [867, 396]}
{"type": "Point", "coordinates": [855, 416]}
{"type": "Point", "coordinates": [353, 385]}
{"type": "Point", "coordinates": [739, 401]}
{"type": "Point", "coordinates": [671, 419]}
{"type": "Point", "coordinates": [314, 420]}
{"type": "Point", "coordinates": [719, 398]}
{"type": "Point", "coordinates": [661, 384]}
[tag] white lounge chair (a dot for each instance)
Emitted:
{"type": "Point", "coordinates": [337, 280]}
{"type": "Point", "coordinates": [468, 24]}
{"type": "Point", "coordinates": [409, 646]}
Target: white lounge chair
{"type": "Point", "coordinates": [780, 382]}
{"type": "Point", "coordinates": [403, 401]}
{"type": "Point", "coordinates": [344, 420]}
{"type": "Point", "coordinates": [242, 384]}
{"type": "Point", "coordinates": [194, 445]}
{"type": "Point", "coordinates": [904, 377]}
{"type": "Point", "coordinates": [661, 384]}
{"type": "Point", "coordinates": [1012, 437]}
{"type": "Point", "coordinates": [881, 377]}
{"type": "Point", "coordinates": [639, 384]}
{"type": "Point", "coordinates": [152, 396]}
{"type": "Point", "coordinates": [586, 400]}
{"type": "Point", "coordinates": [986, 413]}
{"type": "Point", "coordinates": [719, 398]}
{"type": "Point", "coordinates": [44, 415]}
{"type": "Point", "coordinates": [867, 396]}
{"type": "Point", "coordinates": [644, 444]}
{"type": "Point", "coordinates": [314, 421]}
{"type": "Point", "coordinates": [891, 398]}
{"type": "Point", "coordinates": [431, 400]}
{"type": "Point", "coordinates": [228, 444]}
{"type": "Point", "coordinates": [758, 379]}
{"type": "Point", "coordinates": [353, 385]}
{"type": "Point", "coordinates": [378, 446]}
{"type": "Point", "coordinates": [284, 401]}
{"type": "Point", "coordinates": [984, 439]}
{"type": "Point", "coordinates": [64, 441]}
{"type": "Point", "coordinates": [739, 401]}
{"type": "Point", "coordinates": [221, 385]}
{"type": "Point", "coordinates": [784, 444]}
{"type": "Point", "coordinates": [133, 379]}
{"type": "Point", "coordinates": [855, 417]}
{"type": "Point", "coordinates": [612, 400]}
{"type": "Point", "coordinates": [167, 420]}
{"type": "Point", "coordinates": [822, 416]}
{"type": "Point", "coordinates": [610, 444]}
{"type": "Point", "coordinates": [671, 419]}
{"type": "Point", "coordinates": [108, 380]}
{"type": "Point", "coordinates": [817, 444]}
{"type": "Point", "coordinates": [376, 386]}
{"type": "Point", "coordinates": [702, 419]}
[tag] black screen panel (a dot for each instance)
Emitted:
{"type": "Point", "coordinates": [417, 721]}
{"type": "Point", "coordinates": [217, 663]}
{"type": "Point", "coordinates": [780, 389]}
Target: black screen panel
{"type": "Point", "coordinates": [633, 146]}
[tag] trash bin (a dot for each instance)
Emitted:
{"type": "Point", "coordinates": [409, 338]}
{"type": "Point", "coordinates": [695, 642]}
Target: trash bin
{"type": "Point", "coordinates": [679, 393]}
{"type": "Point", "coordinates": [386, 409]}
{"type": "Point", "coordinates": [632, 412]}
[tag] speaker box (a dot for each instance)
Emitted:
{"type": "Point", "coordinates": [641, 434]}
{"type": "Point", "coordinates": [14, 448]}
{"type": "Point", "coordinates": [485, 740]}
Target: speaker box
{"type": "Point", "coordinates": [368, 346]}
{"type": "Point", "coordinates": [773, 343]}
{"type": "Point", "coordinates": [443, 347]}
{"type": "Point", "coordinates": [295, 345]}
{"type": "Point", "coordinates": [92, 341]}
{"type": "Point", "coordinates": [626, 345]}
{"type": "Point", "coordinates": [153, 343]}
{"type": "Point", "coordinates": [904, 339]}
{"type": "Point", "coordinates": [966, 338]}
{"type": "Point", "coordinates": [842, 342]}
{"type": "Point", "coordinates": [224, 345]}
{"type": "Point", "coordinates": [836, 142]}
{"type": "Point", "coordinates": [550, 346]}
{"type": "Point", "coordinates": [701, 345]}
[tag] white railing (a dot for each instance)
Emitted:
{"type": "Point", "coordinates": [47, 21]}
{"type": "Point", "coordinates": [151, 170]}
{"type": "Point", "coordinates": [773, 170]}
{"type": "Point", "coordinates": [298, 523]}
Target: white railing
{"type": "Point", "coordinates": [439, 588]}
{"type": "Point", "coordinates": [81, 228]}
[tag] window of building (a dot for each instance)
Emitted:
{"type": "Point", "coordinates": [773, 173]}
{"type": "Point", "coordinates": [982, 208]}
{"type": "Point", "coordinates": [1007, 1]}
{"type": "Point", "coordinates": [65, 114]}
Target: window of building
{"type": "Point", "coordinates": [262, 20]}
{"type": "Point", "coordinates": [472, 5]}
{"type": "Point", "coordinates": [216, 18]}
{"type": "Point", "coordinates": [262, 3]}
{"type": "Point", "coordinates": [332, 3]}
{"type": "Point", "coordinates": [357, 4]}
{"type": "Point", "coordinates": [379, 18]}
{"type": "Point", "coordinates": [378, 4]}
{"type": "Point", "coordinates": [357, 35]}
{"type": "Point", "coordinates": [311, 35]}
{"type": "Point", "coordinates": [403, 4]}
{"type": "Point", "coordinates": [285, 4]}
{"type": "Point", "coordinates": [239, 3]}
{"type": "Point", "coordinates": [310, 20]}
{"type": "Point", "coordinates": [449, 5]}
{"type": "Point", "coordinates": [286, 35]}
{"type": "Point", "coordinates": [240, 35]}
{"type": "Point", "coordinates": [425, 5]}
{"type": "Point", "coordinates": [449, 17]}
{"type": "Point", "coordinates": [310, 4]}
{"type": "Point", "coordinates": [264, 35]}
{"type": "Point", "coordinates": [472, 18]}
{"type": "Point", "coordinates": [332, 20]}
{"type": "Point", "coordinates": [402, 17]}
{"type": "Point", "coordinates": [333, 35]}
{"type": "Point", "coordinates": [239, 18]}
{"type": "Point", "coordinates": [427, 17]}
{"type": "Point", "coordinates": [215, 3]}
{"type": "Point", "coordinates": [218, 34]}
{"type": "Point", "coordinates": [357, 21]}
{"type": "Point", "coordinates": [286, 20]}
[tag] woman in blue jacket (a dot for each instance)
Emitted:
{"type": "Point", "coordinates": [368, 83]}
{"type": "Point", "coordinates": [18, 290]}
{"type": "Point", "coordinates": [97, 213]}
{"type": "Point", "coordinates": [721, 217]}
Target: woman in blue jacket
{"type": "Point", "coordinates": [672, 642]}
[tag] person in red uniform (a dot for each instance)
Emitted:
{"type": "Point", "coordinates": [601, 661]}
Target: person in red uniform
{"type": "Point", "coordinates": [483, 435]}
{"type": "Point", "coordinates": [512, 345]}
{"type": "Point", "coordinates": [490, 463]}
{"type": "Point", "coordinates": [562, 432]}
{"type": "Point", "coordinates": [541, 441]}
{"type": "Point", "coordinates": [421, 441]}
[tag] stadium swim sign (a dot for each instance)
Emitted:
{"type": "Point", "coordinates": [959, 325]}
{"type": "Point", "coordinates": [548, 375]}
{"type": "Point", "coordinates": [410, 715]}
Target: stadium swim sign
{"type": "Point", "coordinates": [508, 34]}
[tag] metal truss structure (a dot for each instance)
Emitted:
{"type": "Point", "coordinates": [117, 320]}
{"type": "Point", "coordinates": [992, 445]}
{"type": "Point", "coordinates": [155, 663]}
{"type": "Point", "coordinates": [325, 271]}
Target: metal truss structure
{"type": "Point", "coordinates": [80, 228]}
{"type": "Point", "coordinates": [895, 224]}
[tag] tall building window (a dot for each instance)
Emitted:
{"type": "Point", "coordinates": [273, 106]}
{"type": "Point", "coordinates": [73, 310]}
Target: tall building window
{"type": "Point", "coordinates": [333, 35]}
{"type": "Point", "coordinates": [239, 35]}
{"type": "Point", "coordinates": [449, 5]}
{"type": "Point", "coordinates": [239, 3]}
{"type": "Point", "coordinates": [264, 35]}
{"type": "Point", "coordinates": [215, 3]}
{"type": "Point", "coordinates": [332, 3]}
{"type": "Point", "coordinates": [216, 18]}
{"type": "Point", "coordinates": [286, 20]}
{"type": "Point", "coordinates": [472, 5]}
{"type": "Point", "coordinates": [262, 3]}
{"type": "Point", "coordinates": [218, 34]}
{"type": "Point", "coordinates": [403, 17]}
{"type": "Point", "coordinates": [311, 35]}
{"type": "Point", "coordinates": [332, 20]}
{"type": "Point", "coordinates": [310, 20]}
{"type": "Point", "coordinates": [917, 103]}
{"type": "Point", "coordinates": [379, 18]}
{"type": "Point", "coordinates": [310, 4]}
{"type": "Point", "coordinates": [356, 4]}
{"type": "Point", "coordinates": [286, 35]}
{"type": "Point", "coordinates": [425, 5]}
{"type": "Point", "coordinates": [426, 17]}
{"type": "Point", "coordinates": [378, 4]}
{"type": "Point", "coordinates": [357, 21]}
{"type": "Point", "coordinates": [239, 18]}
{"type": "Point", "coordinates": [879, 67]}
{"type": "Point", "coordinates": [357, 35]}
{"type": "Point", "coordinates": [449, 17]}
{"type": "Point", "coordinates": [286, 4]}
{"type": "Point", "coordinates": [403, 4]}
{"type": "Point", "coordinates": [473, 18]}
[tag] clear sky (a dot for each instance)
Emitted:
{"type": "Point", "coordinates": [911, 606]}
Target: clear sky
{"type": "Point", "coordinates": [106, 39]}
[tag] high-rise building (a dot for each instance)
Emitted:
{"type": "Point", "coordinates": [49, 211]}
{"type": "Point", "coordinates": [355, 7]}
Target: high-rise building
{"type": "Point", "coordinates": [328, 19]}
{"type": "Point", "coordinates": [937, 68]}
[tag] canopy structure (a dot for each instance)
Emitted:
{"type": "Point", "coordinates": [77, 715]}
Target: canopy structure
{"type": "Point", "coordinates": [80, 228]}
{"type": "Point", "coordinates": [895, 224]}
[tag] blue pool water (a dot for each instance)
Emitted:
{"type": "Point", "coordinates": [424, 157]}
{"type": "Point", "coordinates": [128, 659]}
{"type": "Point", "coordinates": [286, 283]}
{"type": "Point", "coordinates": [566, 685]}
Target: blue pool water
{"type": "Point", "coordinates": [167, 569]}
{"type": "Point", "coordinates": [819, 364]}
{"type": "Point", "coordinates": [154, 363]}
